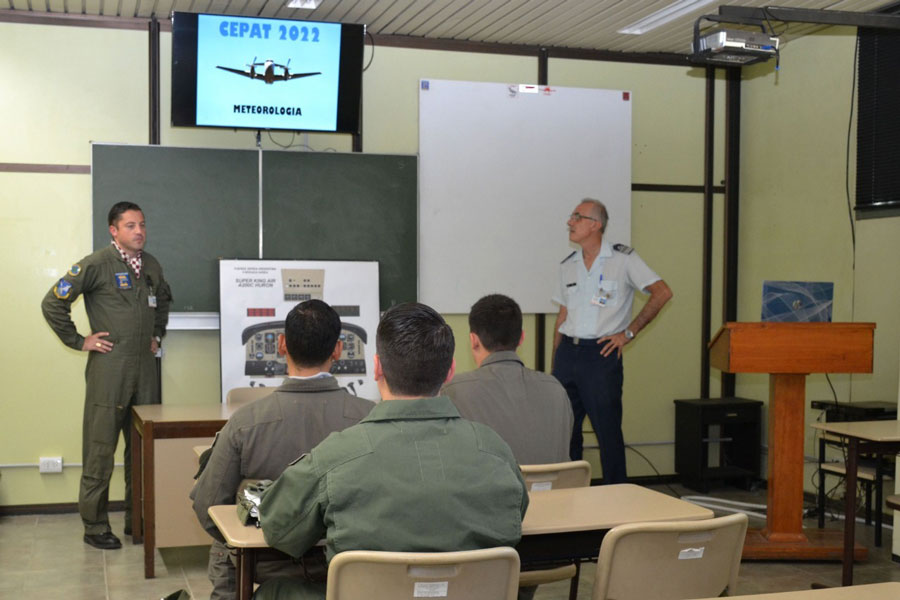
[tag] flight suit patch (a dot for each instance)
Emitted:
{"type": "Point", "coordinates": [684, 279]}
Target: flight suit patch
{"type": "Point", "coordinates": [74, 270]}
{"type": "Point", "coordinates": [63, 289]}
{"type": "Point", "coordinates": [123, 280]}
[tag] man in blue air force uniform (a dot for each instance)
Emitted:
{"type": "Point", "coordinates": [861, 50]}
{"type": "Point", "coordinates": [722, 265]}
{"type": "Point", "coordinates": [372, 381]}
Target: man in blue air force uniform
{"type": "Point", "coordinates": [595, 294]}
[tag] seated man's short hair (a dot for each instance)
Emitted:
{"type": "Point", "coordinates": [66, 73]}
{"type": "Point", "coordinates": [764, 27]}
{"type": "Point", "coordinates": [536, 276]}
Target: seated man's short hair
{"type": "Point", "coordinates": [311, 331]}
{"type": "Point", "coordinates": [497, 321]}
{"type": "Point", "coordinates": [415, 346]}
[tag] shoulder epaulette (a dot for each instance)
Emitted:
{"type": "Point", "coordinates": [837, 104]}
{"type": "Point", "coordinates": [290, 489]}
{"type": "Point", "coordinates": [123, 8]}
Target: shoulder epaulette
{"type": "Point", "coordinates": [623, 248]}
{"type": "Point", "coordinates": [568, 257]}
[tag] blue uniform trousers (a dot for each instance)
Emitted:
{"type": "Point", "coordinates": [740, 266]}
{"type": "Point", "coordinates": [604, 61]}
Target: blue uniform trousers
{"type": "Point", "coordinates": [594, 385]}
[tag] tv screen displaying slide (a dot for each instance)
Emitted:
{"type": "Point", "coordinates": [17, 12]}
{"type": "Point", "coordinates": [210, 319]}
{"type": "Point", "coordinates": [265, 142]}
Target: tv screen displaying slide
{"type": "Point", "coordinates": [258, 73]}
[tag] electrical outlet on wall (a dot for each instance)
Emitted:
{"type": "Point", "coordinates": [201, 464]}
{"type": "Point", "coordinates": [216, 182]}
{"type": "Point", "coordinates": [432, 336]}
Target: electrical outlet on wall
{"type": "Point", "coordinates": [51, 464]}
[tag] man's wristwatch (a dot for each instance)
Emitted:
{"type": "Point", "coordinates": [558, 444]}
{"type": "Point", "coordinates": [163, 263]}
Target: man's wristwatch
{"type": "Point", "coordinates": [629, 334]}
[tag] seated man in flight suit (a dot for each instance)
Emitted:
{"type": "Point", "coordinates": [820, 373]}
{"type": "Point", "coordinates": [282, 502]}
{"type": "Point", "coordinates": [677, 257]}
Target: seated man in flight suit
{"type": "Point", "coordinates": [261, 439]}
{"type": "Point", "coordinates": [529, 409]}
{"type": "Point", "coordinates": [413, 476]}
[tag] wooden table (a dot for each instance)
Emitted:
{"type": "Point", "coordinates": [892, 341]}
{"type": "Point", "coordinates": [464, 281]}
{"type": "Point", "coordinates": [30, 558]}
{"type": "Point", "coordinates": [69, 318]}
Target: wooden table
{"type": "Point", "coordinates": [559, 525]}
{"type": "Point", "coordinates": [873, 591]}
{"type": "Point", "coordinates": [869, 437]}
{"type": "Point", "coordinates": [570, 523]}
{"type": "Point", "coordinates": [167, 434]}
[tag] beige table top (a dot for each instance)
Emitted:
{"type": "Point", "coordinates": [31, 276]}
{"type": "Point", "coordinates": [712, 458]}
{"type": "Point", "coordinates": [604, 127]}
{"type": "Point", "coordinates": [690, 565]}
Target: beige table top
{"type": "Point", "coordinates": [873, 591]}
{"type": "Point", "coordinates": [199, 450]}
{"type": "Point", "coordinates": [873, 431]}
{"type": "Point", "coordinates": [178, 413]}
{"type": "Point", "coordinates": [551, 511]}
{"type": "Point", "coordinates": [236, 533]}
{"type": "Point", "coordinates": [604, 507]}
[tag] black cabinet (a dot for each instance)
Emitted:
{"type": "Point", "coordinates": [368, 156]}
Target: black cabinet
{"type": "Point", "coordinates": [717, 439]}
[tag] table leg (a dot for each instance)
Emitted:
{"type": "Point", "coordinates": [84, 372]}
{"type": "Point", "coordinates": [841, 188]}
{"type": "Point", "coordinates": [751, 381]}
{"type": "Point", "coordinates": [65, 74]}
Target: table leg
{"type": "Point", "coordinates": [137, 526]}
{"type": "Point", "coordinates": [879, 499]}
{"type": "Point", "coordinates": [850, 510]}
{"type": "Point", "coordinates": [573, 585]}
{"type": "Point", "coordinates": [246, 565]}
{"type": "Point", "coordinates": [149, 503]}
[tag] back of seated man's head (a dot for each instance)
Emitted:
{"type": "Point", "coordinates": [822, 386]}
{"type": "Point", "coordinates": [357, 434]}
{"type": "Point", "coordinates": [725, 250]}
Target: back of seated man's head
{"type": "Point", "coordinates": [497, 321]}
{"type": "Point", "coordinates": [311, 332]}
{"type": "Point", "coordinates": [415, 347]}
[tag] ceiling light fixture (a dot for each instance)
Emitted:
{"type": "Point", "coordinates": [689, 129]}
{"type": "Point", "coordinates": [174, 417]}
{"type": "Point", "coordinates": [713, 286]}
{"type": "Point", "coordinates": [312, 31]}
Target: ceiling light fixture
{"type": "Point", "coordinates": [304, 4]}
{"type": "Point", "coordinates": [664, 15]}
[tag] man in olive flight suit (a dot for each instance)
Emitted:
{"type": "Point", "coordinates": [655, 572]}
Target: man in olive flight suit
{"type": "Point", "coordinates": [127, 303]}
{"type": "Point", "coordinates": [413, 476]}
{"type": "Point", "coordinates": [261, 439]}
{"type": "Point", "coordinates": [529, 409]}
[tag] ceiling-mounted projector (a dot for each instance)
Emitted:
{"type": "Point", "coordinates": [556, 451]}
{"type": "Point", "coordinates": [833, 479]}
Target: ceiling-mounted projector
{"type": "Point", "coordinates": [734, 48]}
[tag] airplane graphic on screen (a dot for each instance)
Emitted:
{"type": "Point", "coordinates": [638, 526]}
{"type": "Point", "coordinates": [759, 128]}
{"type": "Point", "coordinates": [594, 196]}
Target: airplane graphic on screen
{"type": "Point", "coordinates": [268, 73]}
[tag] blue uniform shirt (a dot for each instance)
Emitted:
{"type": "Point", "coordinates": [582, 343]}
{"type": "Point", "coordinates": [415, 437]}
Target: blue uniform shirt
{"type": "Point", "coordinates": [599, 301]}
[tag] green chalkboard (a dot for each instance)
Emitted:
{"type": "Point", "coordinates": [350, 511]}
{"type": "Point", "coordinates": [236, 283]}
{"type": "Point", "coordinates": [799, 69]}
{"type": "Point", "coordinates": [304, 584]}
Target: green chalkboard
{"type": "Point", "coordinates": [203, 204]}
{"type": "Point", "coordinates": [200, 205]}
{"type": "Point", "coordinates": [329, 206]}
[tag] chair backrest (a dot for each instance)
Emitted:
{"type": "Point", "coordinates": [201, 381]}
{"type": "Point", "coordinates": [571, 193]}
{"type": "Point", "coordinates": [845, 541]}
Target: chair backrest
{"type": "Point", "coordinates": [489, 574]}
{"type": "Point", "coordinates": [557, 475]}
{"type": "Point", "coordinates": [249, 394]}
{"type": "Point", "coordinates": [671, 560]}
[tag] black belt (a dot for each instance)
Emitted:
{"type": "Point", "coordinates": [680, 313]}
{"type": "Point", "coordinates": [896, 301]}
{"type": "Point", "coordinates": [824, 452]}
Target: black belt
{"type": "Point", "coordinates": [580, 341]}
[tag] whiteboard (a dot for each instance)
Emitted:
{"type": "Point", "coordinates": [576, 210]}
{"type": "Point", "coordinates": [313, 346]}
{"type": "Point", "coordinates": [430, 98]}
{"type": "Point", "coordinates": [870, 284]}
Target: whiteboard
{"type": "Point", "coordinates": [501, 167]}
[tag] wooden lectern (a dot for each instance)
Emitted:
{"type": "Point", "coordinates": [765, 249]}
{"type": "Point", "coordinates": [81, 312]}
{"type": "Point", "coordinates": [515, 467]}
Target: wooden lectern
{"type": "Point", "coordinates": [789, 352]}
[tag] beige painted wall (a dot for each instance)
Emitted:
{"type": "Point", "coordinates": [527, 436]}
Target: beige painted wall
{"type": "Point", "coordinates": [74, 98]}
{"type": "Point", "coordinates": [794, 216]}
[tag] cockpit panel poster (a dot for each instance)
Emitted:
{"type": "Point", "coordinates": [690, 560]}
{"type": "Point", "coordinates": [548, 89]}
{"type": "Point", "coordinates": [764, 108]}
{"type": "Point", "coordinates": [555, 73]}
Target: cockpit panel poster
{"type": "Point", "coordinates": [255, 299]}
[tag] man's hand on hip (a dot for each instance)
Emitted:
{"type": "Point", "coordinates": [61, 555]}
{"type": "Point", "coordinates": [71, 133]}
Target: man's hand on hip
{"type": "Point", "coordinates": [96, 343]}
{"type": "Point", "coordinates": [614, 342]}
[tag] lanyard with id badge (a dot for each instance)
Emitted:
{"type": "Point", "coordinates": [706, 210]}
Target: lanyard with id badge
{"type": "Point", "coordinates": [607, 293]}
{"type": "Point", "coordinates": [151, 299]}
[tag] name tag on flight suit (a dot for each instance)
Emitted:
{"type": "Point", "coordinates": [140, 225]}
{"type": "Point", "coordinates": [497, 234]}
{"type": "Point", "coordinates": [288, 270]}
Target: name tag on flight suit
{"type": "Point", "coordinates": [123, 281]}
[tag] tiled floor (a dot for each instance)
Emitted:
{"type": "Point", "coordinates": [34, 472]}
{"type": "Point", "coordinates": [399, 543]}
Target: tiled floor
{"type": "Point", "coordinates": [43, 558]}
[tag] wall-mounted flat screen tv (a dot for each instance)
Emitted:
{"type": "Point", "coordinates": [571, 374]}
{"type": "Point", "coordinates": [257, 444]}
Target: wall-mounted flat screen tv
{"type": "Point", "coordinates": [258, 73]}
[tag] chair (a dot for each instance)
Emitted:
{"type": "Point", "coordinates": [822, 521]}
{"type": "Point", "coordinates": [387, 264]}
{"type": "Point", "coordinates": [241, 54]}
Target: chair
{"type": "Point", "coordinates": [870, 472]}
{"type": "Point", "coordinates": [893, 501]}
{"type": "Point", "coordinates": [489, 574]}
{"type": "Point", "coordinates": [670, 560]}
{"type": "Point", "coordinates": [555, 476]}
{"type": "Point", "coordinates": [247, 394]}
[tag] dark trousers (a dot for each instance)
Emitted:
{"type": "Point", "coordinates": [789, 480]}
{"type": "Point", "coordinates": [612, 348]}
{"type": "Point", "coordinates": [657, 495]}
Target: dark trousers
{"type": "Point", "coordinates": [594, 385]}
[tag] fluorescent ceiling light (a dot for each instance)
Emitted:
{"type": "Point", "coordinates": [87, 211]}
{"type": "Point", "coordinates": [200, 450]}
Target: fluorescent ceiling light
{"type": "Point", "coordinates": [664, 15]}
{"type": "Point", "coordinates": [306, 4]}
